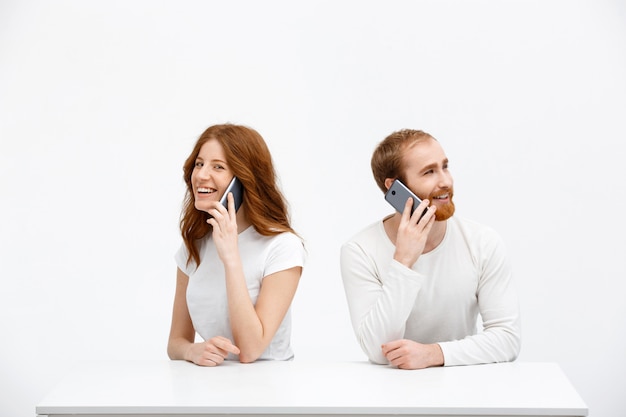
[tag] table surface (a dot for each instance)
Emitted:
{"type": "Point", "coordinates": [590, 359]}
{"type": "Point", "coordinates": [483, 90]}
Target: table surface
{"type": "Point", "coordinates": [320, 388]}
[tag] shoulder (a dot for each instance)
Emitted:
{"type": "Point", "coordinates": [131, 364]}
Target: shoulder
{"type": "Point", "coordinates": [473, 229]}
{"type": "Point", "coordinates": [188, 266]}
{"type": "Point", "coordinates": [371, 242]}
{"type": "Point", "coordinates": [282, 244]}
{"type": "Point", "coordinates": [283, 251]}
{"type": "Point", "coordinates": [369, 234]}
{"type": "Point", "coordinates": [280, 239]}
{"type": "Point", "coordinates": [479, 237]}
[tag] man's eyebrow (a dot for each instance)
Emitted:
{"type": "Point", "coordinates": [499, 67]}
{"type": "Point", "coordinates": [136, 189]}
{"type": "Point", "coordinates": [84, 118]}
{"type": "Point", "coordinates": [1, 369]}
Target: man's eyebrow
{"type": "Point", "coordinates": [435, 165]}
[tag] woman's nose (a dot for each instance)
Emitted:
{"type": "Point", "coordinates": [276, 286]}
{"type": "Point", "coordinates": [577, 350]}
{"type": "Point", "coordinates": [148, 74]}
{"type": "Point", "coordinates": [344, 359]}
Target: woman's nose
{"type": "Point", "coordinates": [203, 172]}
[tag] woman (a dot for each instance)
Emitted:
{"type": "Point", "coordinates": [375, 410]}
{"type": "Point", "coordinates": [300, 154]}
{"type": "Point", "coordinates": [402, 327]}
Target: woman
{"type": "Point", "coordinates": [237, 270]}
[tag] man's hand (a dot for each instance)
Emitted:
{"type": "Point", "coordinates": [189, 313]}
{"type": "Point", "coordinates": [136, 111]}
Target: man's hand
{"type": "Point", "coordinates": [407, 354]}
{"type": "Point", "coordinates": [413, 232]}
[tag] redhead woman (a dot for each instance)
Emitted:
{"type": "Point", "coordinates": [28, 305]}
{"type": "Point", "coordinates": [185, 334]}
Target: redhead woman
{"type": "Point", "coordinates": [238, 270]}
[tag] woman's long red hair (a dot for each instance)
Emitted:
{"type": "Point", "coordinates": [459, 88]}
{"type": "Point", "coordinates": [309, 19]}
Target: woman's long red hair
{"type": "Point", "coordinates": [249, 159]}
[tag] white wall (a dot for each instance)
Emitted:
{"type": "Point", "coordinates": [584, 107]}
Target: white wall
{"type": "Point", "coordinates": [100, 103]}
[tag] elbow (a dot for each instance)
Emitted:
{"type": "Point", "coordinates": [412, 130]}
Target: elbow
{"type": "Point", "coordinates": [512, 346]}
{"type": "Point", "coordinates": [515, 342]}
{"type": "Point", "coordinates": [378, 361]}
{"type": "Point", "coordinates": [177, 349]}
{"type": "Point", "coordinates": [248, 357]}
{"type": "Point", "coordinates": [516, 346]}
{"type": "Point", "coordinates": [170, 352]}
{"type": "Point", "coordinates": [375, 356]}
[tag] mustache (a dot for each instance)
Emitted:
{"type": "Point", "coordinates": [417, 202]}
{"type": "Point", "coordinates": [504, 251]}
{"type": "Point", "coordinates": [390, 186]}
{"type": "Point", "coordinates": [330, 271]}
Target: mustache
{"type": "Point", "coordinates": [449, 192]}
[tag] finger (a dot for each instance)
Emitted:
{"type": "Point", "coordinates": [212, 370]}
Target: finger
{"type": "Point", "coordinates": [394, 344]}
{"type": "Point", "coordinates": [226, 345]}
{"type": "Point", "coordinates": [421, 211]}
{"type": "Point", "coordinates": [429, 220]}
{"type": "Point", "coordinates": [217, 211]}
{"type": "Point", "coordinates": [388, 350]}
{"type": "Point", "coordinates": [406, 213]}
{"type": "Point", "coordinates": [397, 362]}
{"type": "Point", "coordinates": [216, 223]}
{"type": "Point", "coordinates": [231, 204]}
{"type": "Point", "coordinates": [401, 363]}
{"type": "Point", "coordinates": [220, 208]}
{"type": "Point", "coordinates": [213, 359]}
{"type": "Point", "coordinates": [393, 356]}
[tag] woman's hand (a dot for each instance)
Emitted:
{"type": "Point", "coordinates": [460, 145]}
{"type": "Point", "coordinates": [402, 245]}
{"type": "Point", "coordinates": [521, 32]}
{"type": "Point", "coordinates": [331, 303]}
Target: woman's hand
{"type": "Point", "coordinates": [225, 231]}
{"type": "Point", "coordinates": [211, 352]}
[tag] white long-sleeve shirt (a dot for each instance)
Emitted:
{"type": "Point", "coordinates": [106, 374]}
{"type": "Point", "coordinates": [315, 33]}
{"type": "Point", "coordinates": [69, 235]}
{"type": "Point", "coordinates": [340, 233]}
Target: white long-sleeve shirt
{"type": "Point", "coordinates": [439, 299]}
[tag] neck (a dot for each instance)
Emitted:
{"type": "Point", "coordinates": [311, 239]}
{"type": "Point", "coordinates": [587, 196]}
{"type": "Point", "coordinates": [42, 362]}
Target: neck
{"type": "Point", "coordinates": [242, 220]}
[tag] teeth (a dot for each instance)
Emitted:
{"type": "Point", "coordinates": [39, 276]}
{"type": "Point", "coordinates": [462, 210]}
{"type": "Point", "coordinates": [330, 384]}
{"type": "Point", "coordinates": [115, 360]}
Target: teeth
{"type": "Point", "coordinates": [442, 196]}
{"type": "Point", "coordinates": [203, 190]}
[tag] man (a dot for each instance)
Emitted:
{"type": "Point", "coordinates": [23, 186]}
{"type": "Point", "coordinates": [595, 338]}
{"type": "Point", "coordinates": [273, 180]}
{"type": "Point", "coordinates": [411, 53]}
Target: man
{"type": "Point", "coordinates": [415, 289]}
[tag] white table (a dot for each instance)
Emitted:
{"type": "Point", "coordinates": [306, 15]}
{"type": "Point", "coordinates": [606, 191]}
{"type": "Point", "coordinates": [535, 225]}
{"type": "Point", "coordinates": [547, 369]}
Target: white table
{"type": "Point", "coordinates": [161, 388]}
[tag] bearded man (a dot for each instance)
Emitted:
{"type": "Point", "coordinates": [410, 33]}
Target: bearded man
{"type": "Point", "coordinates": [418, 285]}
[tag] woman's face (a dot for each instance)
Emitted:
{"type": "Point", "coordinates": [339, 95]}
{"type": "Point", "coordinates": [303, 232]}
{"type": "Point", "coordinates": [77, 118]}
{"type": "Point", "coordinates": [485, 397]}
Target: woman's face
{"type": "Point", "coordinates": [211, 175]}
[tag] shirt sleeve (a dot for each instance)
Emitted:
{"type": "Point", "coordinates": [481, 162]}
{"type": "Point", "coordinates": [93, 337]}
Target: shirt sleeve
{"type": "Point", "coordinates": [500, 339]}
{"type": "Point", "coordinates": [379, 301]}
{"type": "Point", "coordinates": [286, 251]}
{"type": "Point", "coordinates": [180, 257]}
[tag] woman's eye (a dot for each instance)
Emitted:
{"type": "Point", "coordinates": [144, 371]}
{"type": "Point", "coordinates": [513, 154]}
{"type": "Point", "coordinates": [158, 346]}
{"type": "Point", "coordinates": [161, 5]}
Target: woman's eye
{"type": "Point", "coordinates": [198, 164]}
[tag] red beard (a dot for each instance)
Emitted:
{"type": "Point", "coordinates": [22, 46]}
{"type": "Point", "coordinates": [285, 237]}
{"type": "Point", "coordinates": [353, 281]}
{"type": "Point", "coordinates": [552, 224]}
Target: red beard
{"type": "Point", "coordinates": [446, 211]}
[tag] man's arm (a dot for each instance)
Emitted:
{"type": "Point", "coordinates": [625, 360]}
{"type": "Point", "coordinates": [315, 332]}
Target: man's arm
{"type": "Point", "coordinates": [380, 298]}
{"type": "Point", "coordinates": [500, 340]}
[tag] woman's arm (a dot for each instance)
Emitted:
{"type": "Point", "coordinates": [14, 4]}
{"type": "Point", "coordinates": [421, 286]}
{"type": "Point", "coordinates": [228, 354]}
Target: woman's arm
{"type": "Point", "coordinates": [181, 344]}
{"type": "Point", "coordinates": [254, 326]}
{"type": "Point", "coordinates": [182, 332]}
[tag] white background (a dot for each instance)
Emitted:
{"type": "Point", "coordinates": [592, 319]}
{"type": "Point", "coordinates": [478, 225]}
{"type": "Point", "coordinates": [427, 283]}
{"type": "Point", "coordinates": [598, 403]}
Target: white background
{"type": "Point", "coordinates": [101, 102]}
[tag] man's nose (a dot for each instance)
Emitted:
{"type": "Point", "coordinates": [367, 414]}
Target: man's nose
{"type": "Point", "coordinates": [445, 180]}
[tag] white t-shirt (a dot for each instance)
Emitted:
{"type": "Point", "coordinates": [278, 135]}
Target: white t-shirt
{"type": "Point", "coordinates": [206, 292]}
{"type": "Point", "coordinates": [439, 299]}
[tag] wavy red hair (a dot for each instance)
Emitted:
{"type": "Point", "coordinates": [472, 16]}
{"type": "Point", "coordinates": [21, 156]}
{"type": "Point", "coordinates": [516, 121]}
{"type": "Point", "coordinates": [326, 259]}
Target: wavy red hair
{"type": "Point", "coordinates": [248, 156]}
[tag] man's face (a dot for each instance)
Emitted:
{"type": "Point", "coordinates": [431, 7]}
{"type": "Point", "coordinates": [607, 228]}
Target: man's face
{"type": "Point", "coordinates": [426, 174]}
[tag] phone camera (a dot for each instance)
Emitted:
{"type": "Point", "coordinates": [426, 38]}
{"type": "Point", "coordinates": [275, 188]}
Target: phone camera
{"type": "Point", "coordinates": [393, 192]}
